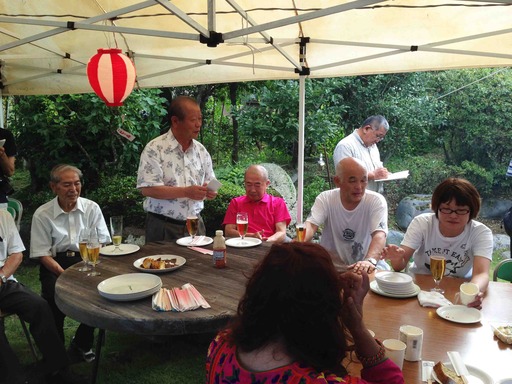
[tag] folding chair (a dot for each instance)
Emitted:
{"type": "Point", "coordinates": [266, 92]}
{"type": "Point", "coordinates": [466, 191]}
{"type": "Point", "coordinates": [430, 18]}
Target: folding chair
{"type": "Point", "coordinates": [503, 270]}
{"type": "Point", "coordinates": [18, 207]}
{"type": "Point", "coordinates": [3, 315]}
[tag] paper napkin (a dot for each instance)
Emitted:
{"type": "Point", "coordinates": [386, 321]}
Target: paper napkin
{"type": "Point", "coordinates": [182, 299]}
{"type": "Point", "coordinates": [202, 250]}
{"type": "Point", "coordinates": [432, 299]}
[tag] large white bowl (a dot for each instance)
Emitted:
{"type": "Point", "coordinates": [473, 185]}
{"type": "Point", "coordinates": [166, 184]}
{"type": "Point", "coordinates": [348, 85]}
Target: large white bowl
{"type": "Point", "coordinates": [131, 286]}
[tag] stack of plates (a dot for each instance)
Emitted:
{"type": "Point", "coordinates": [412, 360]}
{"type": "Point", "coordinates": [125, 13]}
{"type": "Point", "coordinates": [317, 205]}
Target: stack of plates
{"type": "Point", "coordinates": [131, 286]}
{"type": "Point", "coordinates": [395, 283]}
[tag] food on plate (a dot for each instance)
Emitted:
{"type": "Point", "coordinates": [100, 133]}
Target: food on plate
{"type": "Point", "coordinates": [446, 375]}
{"type": "Point", "coordinates": [504, 333]}
{"type": "Point", "coordinates": [150, 263]}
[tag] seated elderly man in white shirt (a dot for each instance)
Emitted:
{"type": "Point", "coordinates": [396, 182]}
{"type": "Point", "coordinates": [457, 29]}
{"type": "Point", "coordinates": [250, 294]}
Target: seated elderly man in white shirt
{"type": "Point", "coordinates": [56, 227]}
{"type": "Point", "coordinates": [355, 220]}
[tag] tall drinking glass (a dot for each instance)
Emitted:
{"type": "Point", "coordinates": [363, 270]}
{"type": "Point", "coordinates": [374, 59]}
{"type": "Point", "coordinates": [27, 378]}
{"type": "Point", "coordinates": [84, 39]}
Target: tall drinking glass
{"type": "Point", "coordinates": [82, 243]}
{"type": "Point", "coordinates": [300, 229]}
{"type": "Point", "coordinates": [242, 223]}
{"type": "Point", "coordinates": [192, 225]}
{"type": "Point", "coordinates": [116, 228]}
{"type": "Point", "coordinates": [437, 268]}
{"type": "Point", "coordinates": [93, 251]}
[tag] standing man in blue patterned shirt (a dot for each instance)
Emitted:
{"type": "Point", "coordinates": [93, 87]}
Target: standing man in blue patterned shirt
{"type": "Point", "coordinates": [174, 172]}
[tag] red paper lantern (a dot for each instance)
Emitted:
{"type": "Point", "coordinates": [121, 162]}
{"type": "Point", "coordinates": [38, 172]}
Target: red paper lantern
{"type": "Point", "coordinates": [111, 75]}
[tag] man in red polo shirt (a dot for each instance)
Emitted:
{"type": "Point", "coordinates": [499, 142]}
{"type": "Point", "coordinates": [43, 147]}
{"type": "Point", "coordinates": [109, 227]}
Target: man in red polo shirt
{"type": "Point", "coordinates": [268, 215]}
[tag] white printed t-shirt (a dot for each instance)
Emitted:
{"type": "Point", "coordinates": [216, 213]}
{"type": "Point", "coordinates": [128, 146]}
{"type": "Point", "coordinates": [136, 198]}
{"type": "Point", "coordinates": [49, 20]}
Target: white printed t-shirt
{"type": "Point", "coordinates": [348, 233]}
{"type": "Point", "coordinates": [424, 236]}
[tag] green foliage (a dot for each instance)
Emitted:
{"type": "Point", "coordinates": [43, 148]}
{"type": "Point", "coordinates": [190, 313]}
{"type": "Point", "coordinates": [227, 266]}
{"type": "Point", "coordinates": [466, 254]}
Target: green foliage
{"type": "Point", "coordinates": [117, 195]}
{"type": "Point", "coordinates": [214, 210]}
{"type": "Point", "coordinates": [81, 130]}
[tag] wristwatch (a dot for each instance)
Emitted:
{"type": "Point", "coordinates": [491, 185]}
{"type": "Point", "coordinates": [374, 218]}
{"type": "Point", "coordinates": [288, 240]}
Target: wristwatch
{"type": "Point", "coordinates": [372, 260]}
{"type": "Point", "coordinates": [3, 279]}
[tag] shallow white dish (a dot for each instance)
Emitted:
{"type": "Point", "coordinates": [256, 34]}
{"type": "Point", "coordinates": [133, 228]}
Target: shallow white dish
{"type": "Point", "coordinates": [504, 381]}
{"type": "Point", "coordinates": [124, 249]}
{"type": "Point", "coordinates": [131, 286]}
{"type": "Point", "coordinates": [393, 278]}
{"type": "Point", "coordinates": [459, 314]}
{"type": "Point", "coordinates": [185, 241]}
{"type": "Point", "coordinates": [374, 286]}
{"type": "Point", "coordinates": [476, 375]}
{"type": "Point", "coordinates": [245, 243]}
{"type": "Point", "coordinates": [179, 262]}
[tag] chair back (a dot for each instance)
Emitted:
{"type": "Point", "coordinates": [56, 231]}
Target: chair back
{"type": "Point", "coordinates": [18, 208]}
{"type": "Point", "coordinates": [503, 270]}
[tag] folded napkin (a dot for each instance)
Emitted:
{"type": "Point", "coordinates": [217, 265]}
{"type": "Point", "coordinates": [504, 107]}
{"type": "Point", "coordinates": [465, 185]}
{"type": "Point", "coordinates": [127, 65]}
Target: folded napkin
{"type": "Point", "coordinates": [197, 240]}
{"type": "Point", "coordinates": [181, 299]}
{"type": "Point", "coordinates": [432, 299]}
{"type": "Point", "coordinates": [202, 250]}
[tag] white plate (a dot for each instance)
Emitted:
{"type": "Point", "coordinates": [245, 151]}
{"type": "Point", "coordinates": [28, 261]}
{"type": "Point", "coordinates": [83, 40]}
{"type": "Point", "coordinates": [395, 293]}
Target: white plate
{"type": "Point", "coordinates": [375, 288]}
{"type": "Point", "coordinates": [393, 278]}
{"type": "Point", "coordinates": [504, 381]}
{"type": "Point", "coordinates": [131, 286]}
{"type": "Point", "coordinates": [459, 314]}
{"type": "Point", "coordinates": [124, 249]}
{"type": "Point", "coordinates": [179, 262]}
{"type": "Point", "coordinates": [476, 375]}
{"type": "Point", "coordinates": [245, 243]}
{"type": "Point", "coordinates": [185, 241]}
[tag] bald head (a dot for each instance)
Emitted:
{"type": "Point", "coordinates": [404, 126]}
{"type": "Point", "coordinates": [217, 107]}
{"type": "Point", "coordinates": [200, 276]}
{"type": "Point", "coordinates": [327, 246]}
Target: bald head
{"type": "Point", "coordinates": [256, 182]}
{"type": "Point", "coordinates": [349, 165]}
{"type": "Point", "coordinates": [351, 178]}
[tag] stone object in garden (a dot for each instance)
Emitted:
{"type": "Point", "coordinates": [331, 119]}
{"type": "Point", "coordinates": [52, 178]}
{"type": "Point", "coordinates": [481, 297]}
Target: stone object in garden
{"type": "Point", "coordinates": [282, 183]}
{"type": "Point", "coordinates": [410, 207]}
{"type": "Point", "coordinates": [493, 208]}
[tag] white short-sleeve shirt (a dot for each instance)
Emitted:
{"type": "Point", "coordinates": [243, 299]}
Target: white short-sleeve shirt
{"type": "Point", "coordinates": [424, 236]}
{"type": "Point", "coordinates": [349, 233]}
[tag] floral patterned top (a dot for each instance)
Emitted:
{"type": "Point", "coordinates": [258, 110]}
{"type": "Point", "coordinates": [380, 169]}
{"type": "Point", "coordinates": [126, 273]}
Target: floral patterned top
{"type": "Point", "coordinates": [163, 162]}
{"type": "Point", "coordinates": [222, 367]}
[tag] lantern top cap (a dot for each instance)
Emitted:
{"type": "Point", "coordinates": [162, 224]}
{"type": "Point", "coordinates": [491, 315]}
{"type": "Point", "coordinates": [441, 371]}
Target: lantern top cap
{"type": "Point", "coordinates": [109, 50]}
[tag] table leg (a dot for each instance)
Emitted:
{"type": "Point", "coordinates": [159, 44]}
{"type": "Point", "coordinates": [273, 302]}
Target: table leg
{"type": "Point", "coordinates": [99, 343]}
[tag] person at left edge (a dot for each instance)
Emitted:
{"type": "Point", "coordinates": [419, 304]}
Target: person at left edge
{"type": "Point", "coordinates": [174, 171]}
{"type": "Point", "coordinates": [7, 162]}
{"type": "Point", "coordinates": [56, 226]}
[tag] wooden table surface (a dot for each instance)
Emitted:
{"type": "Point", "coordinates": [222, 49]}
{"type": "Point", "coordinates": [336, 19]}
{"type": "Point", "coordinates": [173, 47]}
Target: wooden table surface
{"type": "Point", "coordinates": [77, 296]}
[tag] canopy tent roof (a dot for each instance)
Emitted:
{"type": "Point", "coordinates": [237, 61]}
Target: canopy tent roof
{"type": "Point", "coordinates": [45, 45]}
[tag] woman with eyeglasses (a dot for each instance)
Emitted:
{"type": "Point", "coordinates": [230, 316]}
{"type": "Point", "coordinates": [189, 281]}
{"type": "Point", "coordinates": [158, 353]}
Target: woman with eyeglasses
{"type": "Point", "coordinates": [450, 231]}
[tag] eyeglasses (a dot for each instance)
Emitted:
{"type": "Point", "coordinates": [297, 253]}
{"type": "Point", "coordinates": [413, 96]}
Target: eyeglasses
{"type": "Point", "coordinates": [448, 211]}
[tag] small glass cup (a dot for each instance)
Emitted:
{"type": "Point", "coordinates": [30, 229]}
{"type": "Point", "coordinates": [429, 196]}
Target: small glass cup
{"type": "Point", "coordinates": [300, 229]}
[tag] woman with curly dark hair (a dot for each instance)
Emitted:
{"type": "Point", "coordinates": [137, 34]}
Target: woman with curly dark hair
{"type": "Point", "coordinates": [292, 325]}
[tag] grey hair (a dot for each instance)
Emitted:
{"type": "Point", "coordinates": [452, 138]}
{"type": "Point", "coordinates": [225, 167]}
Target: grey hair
{"type": "Point", "coordinates": [376, 122]}
{"type": "Point", "coordinates": [58, 169]}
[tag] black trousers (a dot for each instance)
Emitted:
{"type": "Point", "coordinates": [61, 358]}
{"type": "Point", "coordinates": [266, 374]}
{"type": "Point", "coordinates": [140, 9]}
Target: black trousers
{"type": "Point", "coordinates": [84, 335]}
{"type": "Point", "coordinates": [33, 309]}
{"type": "Point", "coordinates": [158, 229]}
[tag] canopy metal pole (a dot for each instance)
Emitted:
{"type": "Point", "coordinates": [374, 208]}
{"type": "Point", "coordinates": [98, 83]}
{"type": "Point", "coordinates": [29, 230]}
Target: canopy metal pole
{"type": "Point", "coordinates": [300, 165]}
{"type": "Point", "coordinates": [1, 110]}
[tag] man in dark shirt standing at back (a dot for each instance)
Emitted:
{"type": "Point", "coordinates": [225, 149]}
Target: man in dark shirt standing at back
{"type": "Point", "coordinates": [8, 152]}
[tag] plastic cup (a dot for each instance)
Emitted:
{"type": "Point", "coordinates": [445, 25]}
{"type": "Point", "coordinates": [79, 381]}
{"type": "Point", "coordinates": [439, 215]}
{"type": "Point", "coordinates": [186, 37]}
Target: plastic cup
{"type": "Point", "coordinates": [395, 350]}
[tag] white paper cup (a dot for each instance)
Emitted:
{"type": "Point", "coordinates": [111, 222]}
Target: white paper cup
{"type": "Point", "coordinates": [395, 350]}
{"type": "Point", "coordinates": [467, 293]}
{"type": "Point", "coordinates": [413, 339]}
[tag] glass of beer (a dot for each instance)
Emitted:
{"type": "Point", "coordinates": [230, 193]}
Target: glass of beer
{"type": "Point", "coordinates": [437, 268]}
{"type": "Point", "coordinates": [116, 228]}
{"type": "Point", "coordinates": [93, 251]}
{"type": "Point", "coordinates": [192, 225]}
{"type": "Point", "coordinates": [300, 229]}
{"type": "Point", "coordinates": [242, 223]}
{"type": "Point", "coordinates": [82, 243]}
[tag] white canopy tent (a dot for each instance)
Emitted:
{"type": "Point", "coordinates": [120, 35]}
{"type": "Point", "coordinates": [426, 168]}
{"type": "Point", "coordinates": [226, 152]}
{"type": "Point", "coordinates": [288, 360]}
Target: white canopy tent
{"type": "Point", "coordinates": [45, 45]}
